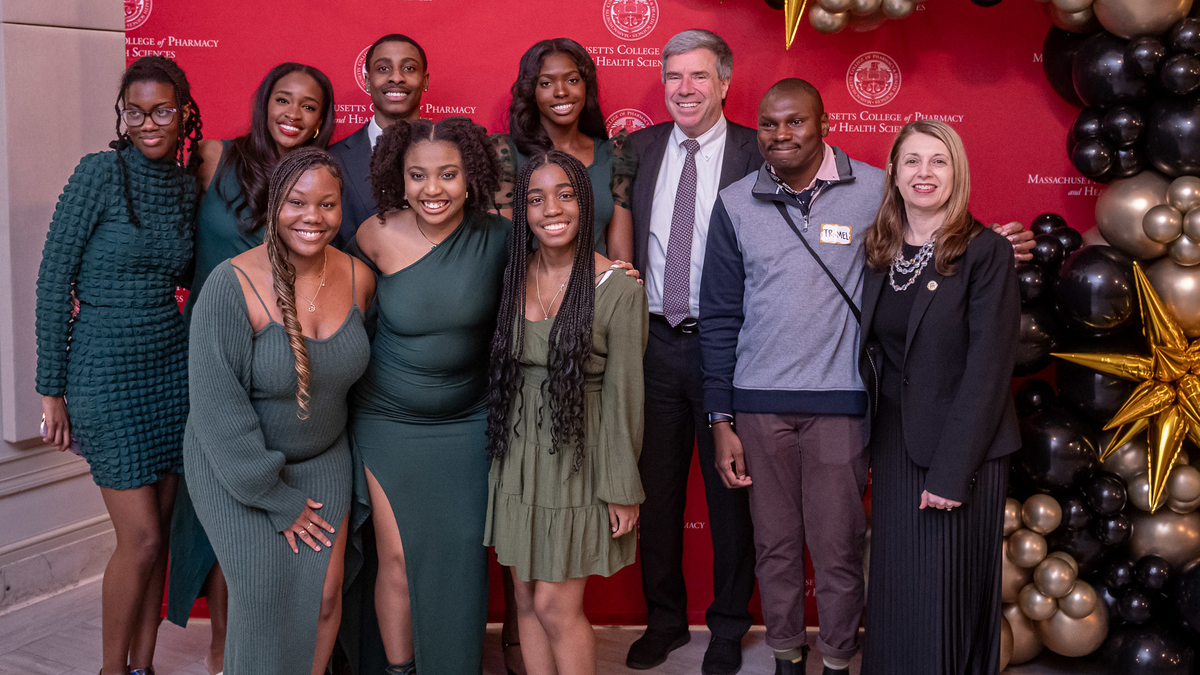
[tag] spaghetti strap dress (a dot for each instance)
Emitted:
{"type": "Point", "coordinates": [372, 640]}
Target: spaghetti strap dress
{"type": "Point", "coordinates": [418, 422]}
{"type": "Point", "coordinates": [252, 462]}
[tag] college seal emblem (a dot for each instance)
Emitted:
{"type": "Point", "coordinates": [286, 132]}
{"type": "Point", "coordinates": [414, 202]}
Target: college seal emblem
{"type": "Point", "coordinates": [360, 70]}
{"type": "Point", "coordinates": [136, 13]}
{"type": "Point", "coordinates": [873, 79]}
{"type": "Point", "coordinates": [628, 119]}
{"type": "Point", "coordinates": [630, 19]}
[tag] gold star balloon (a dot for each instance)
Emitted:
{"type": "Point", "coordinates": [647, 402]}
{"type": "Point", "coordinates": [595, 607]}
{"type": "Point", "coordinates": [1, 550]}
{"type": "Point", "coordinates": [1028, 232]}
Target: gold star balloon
{"type": "Point", "coordinates": [1167, 400]}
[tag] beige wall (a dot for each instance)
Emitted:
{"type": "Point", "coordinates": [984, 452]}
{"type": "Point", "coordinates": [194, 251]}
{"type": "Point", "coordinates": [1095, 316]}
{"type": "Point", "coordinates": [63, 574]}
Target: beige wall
{"type": "Point", "coordinates": [60, 62]}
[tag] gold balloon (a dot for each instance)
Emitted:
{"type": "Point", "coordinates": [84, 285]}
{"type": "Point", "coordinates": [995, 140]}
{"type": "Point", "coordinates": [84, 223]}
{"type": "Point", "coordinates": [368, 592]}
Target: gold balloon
{"type": "Point", "coordinates": [1182, 508]}
{"type": "Point", "coordinates": [1012, 516]}
{"type": "Point", "coordinates": [1026, 548]}
{"type": "Point", "coordinates": [1093, 238]}
{"type": "Point", "coordinates": [1072, 6]}
{"type": "Point", "coordinates": [1054, 577]}
{"type": "Point", "coordinates": [835, 6]}
{"type": "Point", "coordinates": [1174, 536]}
{"type": "Point", "coordinates": [1072, 637]}
{"type": "Point", "coordinates": [1163, 223]}
{"type": "Point", "coordinates": [1184, 193]}
{"type": "Point", "coordinates": [1131, 18]}
{"type": "Point", "coordinates": [1012, 578]}
{"type": "Point", "coordinates": [898, 9]}
{"type": "Point", "coordinates": [1006, 643]}
{"type": "Point", "coordinates": [1122, 206]}
{"type": "Point", "coordinates": [1026, 643]}
{"type": "Point", "coordinates": [864, 7]}
{"type": "Point", "coordinates": [1080, 602]}
{"type": "Point", "coordinates": [862, 23]}
{"type": "Point", "coordinates": [1185, 251]}
{"type": "Point", "coordinates": [825, 22]}
{"type": "Point", "coordinates": [1076, 22]}
{"type": "Point", "coordinates": [1129, 459]}
{"type": "Point", "coordinates": [1191, 223]}
{"type": "Point", "coordinates": [1041, 513]}
{"type": "Point", "coordinates": [1035, 604]}
{"type": "Point", "coordinates": [1139, 493]}
{"type": "Point", "coordinates": [1184, 484]}
{"type": "Point", "coordinates": [1179, 289]}
{"type": "Point", "coordinates": [1065, 556]}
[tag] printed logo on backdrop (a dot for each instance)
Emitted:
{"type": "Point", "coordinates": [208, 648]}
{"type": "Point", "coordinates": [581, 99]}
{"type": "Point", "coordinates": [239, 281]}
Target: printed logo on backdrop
{"type": "Point", "coordinates": [630, 19]}
{"type": "Point", "coordinates": [873, 79]}
{"type": "Point", "coordinates": [360, 69]}
{"type": "Point", "coordinates": [136, 13]}
{"type": "Point", "coordinates": [629, 119]}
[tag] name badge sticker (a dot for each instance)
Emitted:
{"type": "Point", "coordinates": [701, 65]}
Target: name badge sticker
{"type": "Point", "coordinates": [835, 234]}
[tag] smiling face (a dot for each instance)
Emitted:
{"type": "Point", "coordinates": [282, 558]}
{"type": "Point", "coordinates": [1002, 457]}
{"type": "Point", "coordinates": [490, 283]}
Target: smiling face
{"type": "Point", "coordinates": [294, 111]}
{"type": "Point", "coordinates": [560, 90]}
{"type": "Point", "coordinates": [396, 78]}
{"type": "Point", "coordinates": [694, 94]}
{"type": "Point", "coordinates": [435, 183]}
{"type": "Point", "coordinates": [154, 141]}
{"type": "Point", "coordinates": [311, 213]}
{"type": "Point", "coordinates": [924, 173]}
{"type": "Point", "coordinates": [553, 208]}
{"type": "Point", "coordinates": [791, 125]}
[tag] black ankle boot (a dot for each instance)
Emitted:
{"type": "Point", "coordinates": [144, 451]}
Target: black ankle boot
{"type": "Point", "coordinates": [409, 667]}
{"type": "Point", "coordinates": [785, 667]}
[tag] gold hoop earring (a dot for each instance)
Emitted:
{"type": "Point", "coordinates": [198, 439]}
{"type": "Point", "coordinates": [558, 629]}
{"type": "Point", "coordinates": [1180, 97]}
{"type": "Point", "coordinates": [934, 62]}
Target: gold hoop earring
{"type": "Point", "coordinates": [317, 133]}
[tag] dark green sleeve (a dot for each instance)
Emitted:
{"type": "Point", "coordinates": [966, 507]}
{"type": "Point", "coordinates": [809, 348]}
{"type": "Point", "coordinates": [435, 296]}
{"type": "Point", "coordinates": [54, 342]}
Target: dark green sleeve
{"type": "Point", "coordinates": [624, 166]}
{"type": "Point", "coordinates": [507, 152]}
{"type": "Point", "coordinates": [223, 427]}
{"type": "Point", "coordinates": [79, 209]}
{"type": "Point", "coordinates": [622, 397]}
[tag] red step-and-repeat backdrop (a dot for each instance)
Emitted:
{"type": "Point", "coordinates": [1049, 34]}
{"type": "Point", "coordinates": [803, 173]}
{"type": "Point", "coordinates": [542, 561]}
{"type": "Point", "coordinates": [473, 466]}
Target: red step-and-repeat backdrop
{"type": "Point", "coordinates": [978, 69]}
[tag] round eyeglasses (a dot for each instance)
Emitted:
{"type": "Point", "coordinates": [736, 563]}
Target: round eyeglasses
{"type": "Point", "coordinates": [136, 118]}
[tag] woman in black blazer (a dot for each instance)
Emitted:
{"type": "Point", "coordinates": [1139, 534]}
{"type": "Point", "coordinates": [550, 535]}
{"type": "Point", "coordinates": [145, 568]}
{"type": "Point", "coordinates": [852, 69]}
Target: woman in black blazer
{"type": "Point", "coordinates": [940, 320]}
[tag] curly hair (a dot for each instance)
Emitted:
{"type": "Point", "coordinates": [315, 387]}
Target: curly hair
{"type": "Point", "coordinates": [481, 166]}
{"type": "Point", "coordinates": [253, 156]}
{"type": "Point", "coordinates": [524, 117]}
{"type": "Point", "coordinates": [164, 70]}
{"type": "Point", "coordinates": [570, 334]}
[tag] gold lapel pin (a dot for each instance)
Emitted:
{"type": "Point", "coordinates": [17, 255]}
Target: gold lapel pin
{"type": "Point", "coordinates": [931, 285]}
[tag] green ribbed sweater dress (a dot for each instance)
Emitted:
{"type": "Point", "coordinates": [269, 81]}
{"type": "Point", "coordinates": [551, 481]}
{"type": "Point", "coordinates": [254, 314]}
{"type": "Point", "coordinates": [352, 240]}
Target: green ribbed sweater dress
{"type": "Point", "coordinates": [122, 361]}
{"type": "Point", "coordinates": [251, 463]}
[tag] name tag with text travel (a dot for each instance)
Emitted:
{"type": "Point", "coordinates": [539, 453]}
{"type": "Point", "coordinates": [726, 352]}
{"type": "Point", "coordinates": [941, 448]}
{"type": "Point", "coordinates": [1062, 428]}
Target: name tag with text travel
{"type": "Point", "coordinates": [835, 234]}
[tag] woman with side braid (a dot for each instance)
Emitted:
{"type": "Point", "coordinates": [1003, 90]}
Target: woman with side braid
{"type": "Point", "coordinates": [115, 374]}
{"type": "Point", "coordinates": [277, 341]}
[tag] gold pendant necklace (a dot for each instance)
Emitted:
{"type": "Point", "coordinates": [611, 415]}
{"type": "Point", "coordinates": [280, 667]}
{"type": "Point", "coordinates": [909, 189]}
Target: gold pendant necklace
{"type": "Point", "coordinates": [537, 279]}
{"type": "Point", "coordinates": [312, 304]}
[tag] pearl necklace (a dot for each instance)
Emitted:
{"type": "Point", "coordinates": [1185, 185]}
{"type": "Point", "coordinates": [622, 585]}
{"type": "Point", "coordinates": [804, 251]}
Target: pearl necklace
{"type": "Point", "coordinates": [914, 266]}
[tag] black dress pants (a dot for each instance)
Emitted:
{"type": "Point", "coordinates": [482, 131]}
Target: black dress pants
{"type": "Point", "coordinates": [675, 423]}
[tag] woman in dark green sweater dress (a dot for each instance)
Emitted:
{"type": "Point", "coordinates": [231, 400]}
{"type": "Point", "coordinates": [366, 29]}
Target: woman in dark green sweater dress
{"type": "Point", "coordinates": [277, 342]}
{"type": "Point", "coordinates": [115, 374]}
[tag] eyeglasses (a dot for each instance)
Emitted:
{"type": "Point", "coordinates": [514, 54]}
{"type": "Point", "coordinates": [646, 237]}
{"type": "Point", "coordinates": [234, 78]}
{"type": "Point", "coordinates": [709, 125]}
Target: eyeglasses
{"type": "Point", "coordinates": [136, 118]}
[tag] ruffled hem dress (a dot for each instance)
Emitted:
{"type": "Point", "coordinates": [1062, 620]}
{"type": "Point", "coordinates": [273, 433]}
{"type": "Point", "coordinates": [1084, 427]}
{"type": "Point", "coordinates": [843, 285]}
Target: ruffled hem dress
{"type": "Point", "coordinates": [546, 520]}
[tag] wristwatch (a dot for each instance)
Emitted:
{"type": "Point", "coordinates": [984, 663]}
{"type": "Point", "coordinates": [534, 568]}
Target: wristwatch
{"type": "Point", "coordinates": [717, 418]}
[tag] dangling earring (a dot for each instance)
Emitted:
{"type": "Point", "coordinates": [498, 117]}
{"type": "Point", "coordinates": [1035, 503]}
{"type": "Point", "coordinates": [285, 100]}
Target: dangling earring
{"type": "Point", "coordinates": [317, 133]}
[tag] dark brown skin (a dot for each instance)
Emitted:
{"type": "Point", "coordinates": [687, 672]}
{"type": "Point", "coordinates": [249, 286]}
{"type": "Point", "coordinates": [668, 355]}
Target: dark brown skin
{"type": "Point", "coordinates": [791, 129]}
{"type": "Point", "coordinates": [396, 67]}
{"type": "Point", "coordinates": [559, 83]}
{"type": "Point", "coordinates": [154, 141]}
{"type": "Point", "coordinates": [295, 102]}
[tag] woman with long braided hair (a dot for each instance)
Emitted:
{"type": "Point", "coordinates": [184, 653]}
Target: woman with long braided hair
{"type": "Point", "coordinates": [114, 374]}
{"type": "Point", "coordinates": [564, 415]}
{"type": "Point", "coordinates": [277, 342]}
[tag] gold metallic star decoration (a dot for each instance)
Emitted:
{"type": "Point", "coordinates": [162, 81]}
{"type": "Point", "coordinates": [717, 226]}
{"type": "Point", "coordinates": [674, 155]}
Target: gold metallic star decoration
{"type": "Point", "coordinates": [1167, 402]}
{"type": "Point", "coordinates": [792, 11]}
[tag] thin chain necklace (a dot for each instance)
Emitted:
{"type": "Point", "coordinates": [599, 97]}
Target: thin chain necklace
{"type": "Point", "coordinates": [914, 266]}
{"type": "Point", "coordinates": [312, 304]}
{"type": "Point", "coordinates": [432, 245]}
{"type": "Point", "coordinates": [537, 279]}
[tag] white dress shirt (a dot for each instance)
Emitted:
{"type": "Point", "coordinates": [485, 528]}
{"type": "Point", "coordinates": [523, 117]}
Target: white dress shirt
{"type": "Point", "coordinates": [374, 131]}
{"type": "Point", "coordinates": [708, 183]}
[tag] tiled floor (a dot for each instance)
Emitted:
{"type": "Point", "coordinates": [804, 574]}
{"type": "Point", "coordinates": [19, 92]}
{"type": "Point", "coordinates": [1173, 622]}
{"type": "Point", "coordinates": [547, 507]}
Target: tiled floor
{"type": "Point", "coordinates": [61, 636]}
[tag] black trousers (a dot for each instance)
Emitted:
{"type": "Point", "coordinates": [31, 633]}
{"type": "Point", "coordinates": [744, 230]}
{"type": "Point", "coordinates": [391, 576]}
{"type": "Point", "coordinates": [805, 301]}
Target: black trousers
{"type": "Point", "coordinates": [675, 423]}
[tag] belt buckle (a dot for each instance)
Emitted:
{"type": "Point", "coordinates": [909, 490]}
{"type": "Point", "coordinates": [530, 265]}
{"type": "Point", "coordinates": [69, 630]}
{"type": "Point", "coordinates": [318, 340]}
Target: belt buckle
{"type": "Point", "coordinates": [689, 326]}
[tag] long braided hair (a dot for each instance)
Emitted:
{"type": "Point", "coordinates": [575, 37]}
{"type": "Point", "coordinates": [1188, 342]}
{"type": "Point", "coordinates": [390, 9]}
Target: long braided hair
{"type": "Point", "coordinates": [283, 179]}
{"type": "Point", "coordinates": [481, 166]}
{"type": "Point", "coordinates": [570, 334]}
{"type": "Point", "coordinates": [164, 70]}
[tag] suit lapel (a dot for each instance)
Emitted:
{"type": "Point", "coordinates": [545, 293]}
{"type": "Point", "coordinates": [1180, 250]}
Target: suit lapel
{"type": "Point", "coordinates": [359, 166]}
{"type": "Point", "coordinates": [733, 163]}
{"type": "Point", "coordinates": [643, 193]}
{"type": "Point", "coordinates": [928, 285]}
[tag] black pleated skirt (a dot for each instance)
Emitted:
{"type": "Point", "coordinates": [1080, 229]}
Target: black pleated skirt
{"type": "Point", "coordinates": [933, 603]}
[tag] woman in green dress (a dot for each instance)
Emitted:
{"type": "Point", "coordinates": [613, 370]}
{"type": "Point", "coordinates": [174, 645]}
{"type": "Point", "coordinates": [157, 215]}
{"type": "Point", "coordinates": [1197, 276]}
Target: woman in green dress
{"type": "Point", "coordinates": [234, 177]}
{"type": "Point", "coordinates": [564, 416]}
{"type": "Point", "coordinates": [114, 375]}
{"type": "Point", "coordinates": [556, 106]}
{"type": "Point", "coordinates": [277, 342]}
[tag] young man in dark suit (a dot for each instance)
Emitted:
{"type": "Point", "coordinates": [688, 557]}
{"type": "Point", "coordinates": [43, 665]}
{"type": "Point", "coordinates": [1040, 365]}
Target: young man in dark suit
{"type": "Point", "coordinates": [396, 74]}
{"type": "Point", "coordinates": [684, 164]}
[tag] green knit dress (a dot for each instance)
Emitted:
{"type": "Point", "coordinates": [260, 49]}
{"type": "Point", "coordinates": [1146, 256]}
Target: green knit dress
{"type": "Point", "coordinates": [547, 522]}
{"type": "Point", "coordinates": [121, 361]}
{"type": "Point", "coordinates": [252, 462]}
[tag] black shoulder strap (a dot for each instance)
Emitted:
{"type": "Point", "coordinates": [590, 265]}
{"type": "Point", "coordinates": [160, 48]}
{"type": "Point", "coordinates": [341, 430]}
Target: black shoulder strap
{"type": "Point", "coordinates": [845, 296]}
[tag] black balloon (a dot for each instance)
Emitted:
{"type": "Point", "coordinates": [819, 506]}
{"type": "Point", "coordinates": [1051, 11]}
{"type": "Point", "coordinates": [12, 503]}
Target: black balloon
{"type": "Point", "coordinates": [1055, 451]}
{"type": "Point", "coordinates": [986, 3]}
{"type": "Point", "coordinates": [1058, 55]}
{"type": "Point", "coordinates": [1088, 124]}
{"type": "Point", "coordinates": [1151, 649]}
{"type": "Point", "coordinates": [1045, 223]}
{"type": "Point", "coordinates": [1106, 494]}
{"type": "Point", "coordinates": [1032, 281]}
{"type": "Point", "coordinates": [1144, 55]}
{"type": "Point", "coordinates": [1048, 252]}
{"type": "Point", "coordinates": [1180, 74]}
{"type": "Point", "coordinates": [1039, 335]}
{"type": "Point", "coordinates": [1119, 574]}
{"type": "Point", "coordinates": [1109, 597]}
{"type": "Point", "coordinates": [775, 4]}
{"type": "Point", "coordinates": [1123, 125]}
{"type": "Point", "coordinates": [1153, 573]}
{"type": "Point", "coordinates": [1187, 598]}
{"type": "Point", "coordinates": [1128, 162]}
{"type": "Point", "coordinates": [1184, 37]}
{"type": "Point", "coordinates": [1093, 158]}
{"type": "Point", "coordinates": [1088, 551]}
{"type": "Point", "coordinates": [1032, 396]}
{"type": "Point", "coordinates": [1112, 530]}
{"type": "Point", "coordinates": [1075, 512]}
{"type": "Point", "coordinates": [1135, 605]}
{"type": "Point", "coordinates": [1099, 74]}
{"type": "Point", "coordinates": [1093, 395]}
{"type": "Point", "coordinates": [1173, 136]}
{"type": "Point", "coordinates": [1094, 292]}
{"type": "Point", "coordinates": [1070, 238]}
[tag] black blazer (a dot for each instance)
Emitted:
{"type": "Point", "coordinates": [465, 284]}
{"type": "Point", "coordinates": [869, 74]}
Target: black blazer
{"type": "Point", "coordinates": [955, 401]}
{"type": "Point", "coordinates": [353, 153]}
{"type": "Point", "coordinates": [741, 159]}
